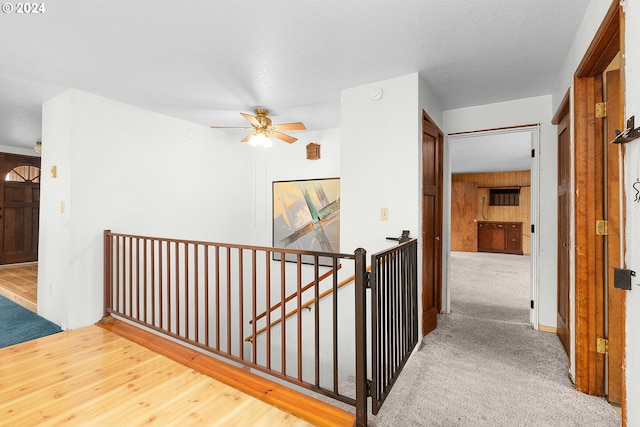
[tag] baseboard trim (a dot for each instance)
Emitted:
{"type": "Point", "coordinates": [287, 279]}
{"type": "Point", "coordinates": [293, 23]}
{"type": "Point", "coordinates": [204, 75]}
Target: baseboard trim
{"type": "Point", "coordinates": [551, 329]}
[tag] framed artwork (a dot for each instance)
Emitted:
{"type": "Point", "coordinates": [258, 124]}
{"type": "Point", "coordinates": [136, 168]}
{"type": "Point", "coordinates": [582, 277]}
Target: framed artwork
{"type": "Point", "coordinates": [306, 216]}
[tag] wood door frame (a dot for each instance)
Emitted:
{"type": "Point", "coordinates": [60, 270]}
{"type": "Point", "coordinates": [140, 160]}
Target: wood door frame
{"type": "Point", "coordinates": [588, 206]}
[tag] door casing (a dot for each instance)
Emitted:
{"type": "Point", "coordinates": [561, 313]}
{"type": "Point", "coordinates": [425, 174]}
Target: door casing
{"type": "Point", "coordinates": [589, 181]}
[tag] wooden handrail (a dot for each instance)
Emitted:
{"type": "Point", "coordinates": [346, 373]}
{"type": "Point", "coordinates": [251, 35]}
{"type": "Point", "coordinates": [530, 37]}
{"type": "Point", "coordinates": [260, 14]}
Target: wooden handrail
{"type": "Point", "coordinates": [293, 295]}
{"type": "Point", "coordinates": [305, 305]}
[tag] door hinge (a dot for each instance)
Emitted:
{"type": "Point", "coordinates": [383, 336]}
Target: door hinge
{"type": "Point", "coordinates": [602, 345]}
{"type": "Point", "coordinates": [367, 280]}
{"type": "Point", "coordinates": [602, 227]}
{"type": "Point", "coordinates": [533, 228]}
{"type": "Point", "coordinates": [533, 153]}
{"type": "Point", "coordinates": [601, 109]}
{"type": "Point", "coordinates": [532, 304]}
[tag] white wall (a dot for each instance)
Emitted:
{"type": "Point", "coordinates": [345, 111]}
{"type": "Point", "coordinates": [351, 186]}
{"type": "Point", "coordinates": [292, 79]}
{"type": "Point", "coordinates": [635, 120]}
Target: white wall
{"type": "Point", "coordinates": [591, 21]}
{"type": "Point", "coordinates": [632, 234]}
{"type": "Point", "coordinates": [132, 171]}
{"type": "Point", "coordinates": [515, 113]}
{"type": "Point", "coordinates": [380, 161]}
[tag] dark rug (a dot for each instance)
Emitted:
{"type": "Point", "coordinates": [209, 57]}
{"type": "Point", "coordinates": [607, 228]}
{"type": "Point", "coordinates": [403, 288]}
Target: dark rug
{"type": "Point", "coordinates": [17, 324]}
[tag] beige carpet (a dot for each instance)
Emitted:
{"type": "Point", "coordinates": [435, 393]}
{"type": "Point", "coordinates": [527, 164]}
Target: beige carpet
{"type": "Point", "coordinates": [485, 365]}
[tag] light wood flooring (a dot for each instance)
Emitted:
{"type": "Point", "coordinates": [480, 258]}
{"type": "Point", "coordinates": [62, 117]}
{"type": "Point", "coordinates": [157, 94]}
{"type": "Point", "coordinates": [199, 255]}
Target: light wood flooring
{"type": "Point", "coordinates": [116, 374]}
{"type": "Point", "coordinates": [19, 283]}
{"type": "Point", "coordinates": [94, 377]}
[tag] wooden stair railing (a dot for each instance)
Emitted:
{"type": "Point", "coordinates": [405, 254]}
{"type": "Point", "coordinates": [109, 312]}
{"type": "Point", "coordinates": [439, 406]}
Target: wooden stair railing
{"type": "Point", "coordinates": [305, 305]}
{"type": "Point", "coordinates": [293, 295]}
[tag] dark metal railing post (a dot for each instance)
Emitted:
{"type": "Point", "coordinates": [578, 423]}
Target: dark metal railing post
{"type": "Point", "coordinates": [107, 273]}
{"type": "Point", "coordinates": [361, 336]}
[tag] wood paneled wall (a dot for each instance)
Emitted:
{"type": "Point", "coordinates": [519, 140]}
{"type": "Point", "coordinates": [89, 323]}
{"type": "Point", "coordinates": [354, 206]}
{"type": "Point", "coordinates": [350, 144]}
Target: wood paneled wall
{"type": "Point", "coordinates": [486, 181]}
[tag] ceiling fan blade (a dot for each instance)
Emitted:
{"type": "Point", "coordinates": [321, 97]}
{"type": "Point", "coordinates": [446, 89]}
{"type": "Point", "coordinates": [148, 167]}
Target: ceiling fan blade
{"type": "Point", "coordinates": [290, 126]}
{"type": "Point", "coordinates": [283, 137]}
{"type": "Point", "coordinates": [251, 119]}
{"type": "Point", "coordinates": [246, 138]}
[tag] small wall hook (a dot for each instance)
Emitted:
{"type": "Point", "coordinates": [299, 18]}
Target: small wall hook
{"type": "Point", "coordinates": [629, 134]}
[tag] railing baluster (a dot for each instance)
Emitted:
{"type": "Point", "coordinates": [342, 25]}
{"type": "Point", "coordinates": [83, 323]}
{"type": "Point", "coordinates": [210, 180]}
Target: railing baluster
{"type": "Point", "coordinates": [268, 292]}
{"type": "Point", "coordinates": [228, 300]}
{"type": "Point", "coordinates": [137, 276]}
{"type": "Point", "coordinates": [334, 295]}
{"type": "Point", "coordinates": [217, 259]}
{"type": "Point", "coordinates": [160, 293]}
{"type": "Point", "coordinates": [283, 314]}
{"type": "Point", "coordinates": [196, 287]}
{"type": "Point", "coordinates": [177, 287]}
{"type": "Point", "coordinates": [186, 290]}
{"type": "Point", "coordinates": [142, 270]}
{"type": "Point", "coordinates": [241, 302]}
{"type": "Point", "coordinates": [254, 308]}
{"type": "Point", "coordinates": [153, 281]}
{"type": "Point", "coordinates": [116, 303]}
{"type": "Point", "coordinates": [299, 311]}
{"type": "Point", "coordinates": [130, 284]}
{"type": "Point", "coordinates": [206, 295]}
{"type": "Point", "coordinates": [316, 327]}
{"type": "Point", "coordinates": [169, 286]}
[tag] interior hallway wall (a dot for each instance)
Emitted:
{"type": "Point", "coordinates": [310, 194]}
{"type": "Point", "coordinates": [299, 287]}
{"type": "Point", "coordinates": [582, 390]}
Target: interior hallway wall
{"type": "Point", "coordinates": [380, 160]}
{"type": "Point", "coordinates": [134, 171]}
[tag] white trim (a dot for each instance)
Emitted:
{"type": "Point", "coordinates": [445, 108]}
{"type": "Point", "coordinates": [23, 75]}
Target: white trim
{"type": "Point", "coordinates": [534, 288]}
{"type": "Point", "coordinates": [535, 215]}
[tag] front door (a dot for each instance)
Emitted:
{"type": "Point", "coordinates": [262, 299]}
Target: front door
{"type": "Point", "coordinates": [432, 148]}
{"type": "Point", "coordinates": [19, 208]}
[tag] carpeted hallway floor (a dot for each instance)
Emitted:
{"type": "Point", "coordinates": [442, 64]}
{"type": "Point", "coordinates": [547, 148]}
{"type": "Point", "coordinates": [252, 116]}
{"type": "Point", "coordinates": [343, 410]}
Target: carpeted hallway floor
{"type": "Point", "coordinates": [485, 365]}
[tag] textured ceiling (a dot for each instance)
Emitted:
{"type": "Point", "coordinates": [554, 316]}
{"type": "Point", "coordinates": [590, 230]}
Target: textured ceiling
{"type": "Point", "coordinates": [204, 61]}
{"type": "Point", "coordinates": [492, 152]}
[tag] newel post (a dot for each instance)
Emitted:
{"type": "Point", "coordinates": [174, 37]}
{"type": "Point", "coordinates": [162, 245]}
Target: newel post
{"type": "Point", "coordinates": [107, 269]}
{"type": "Point", "coordinates": [361, 336]}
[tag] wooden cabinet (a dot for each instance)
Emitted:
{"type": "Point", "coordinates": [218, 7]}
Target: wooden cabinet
{"type": "Point", "coordinates": [502, 237]}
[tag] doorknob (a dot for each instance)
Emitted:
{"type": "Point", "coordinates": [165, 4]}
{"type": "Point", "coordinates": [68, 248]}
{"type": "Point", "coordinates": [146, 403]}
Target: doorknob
{"type": "Point", "coordinates": [437, 237]}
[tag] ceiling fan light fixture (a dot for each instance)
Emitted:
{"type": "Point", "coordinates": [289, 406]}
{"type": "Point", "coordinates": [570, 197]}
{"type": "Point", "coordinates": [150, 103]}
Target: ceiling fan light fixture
{"type": "Point", "coordinates": [259, 139]}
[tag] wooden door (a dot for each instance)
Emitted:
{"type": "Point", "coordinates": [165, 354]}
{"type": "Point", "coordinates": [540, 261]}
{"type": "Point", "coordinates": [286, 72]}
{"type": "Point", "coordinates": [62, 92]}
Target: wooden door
{"type": "Point", "coordinates": [564, 224]}
{"type": "Point", "coordinates": [615, 298]}
{"type": "Point", "coordinates": [432, 148]}
{"type": "Point", "coordinates": [19, 208]}
{"type": "Point", "coordinates": [464, 212]}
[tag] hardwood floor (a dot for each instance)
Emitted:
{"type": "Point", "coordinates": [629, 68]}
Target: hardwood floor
{"type": "Point", "coordinates": [19, 283]}
{"type": "Point", "coordinates": [94, 377]}
{"type": "Point", "coordinates": [119, 375]}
